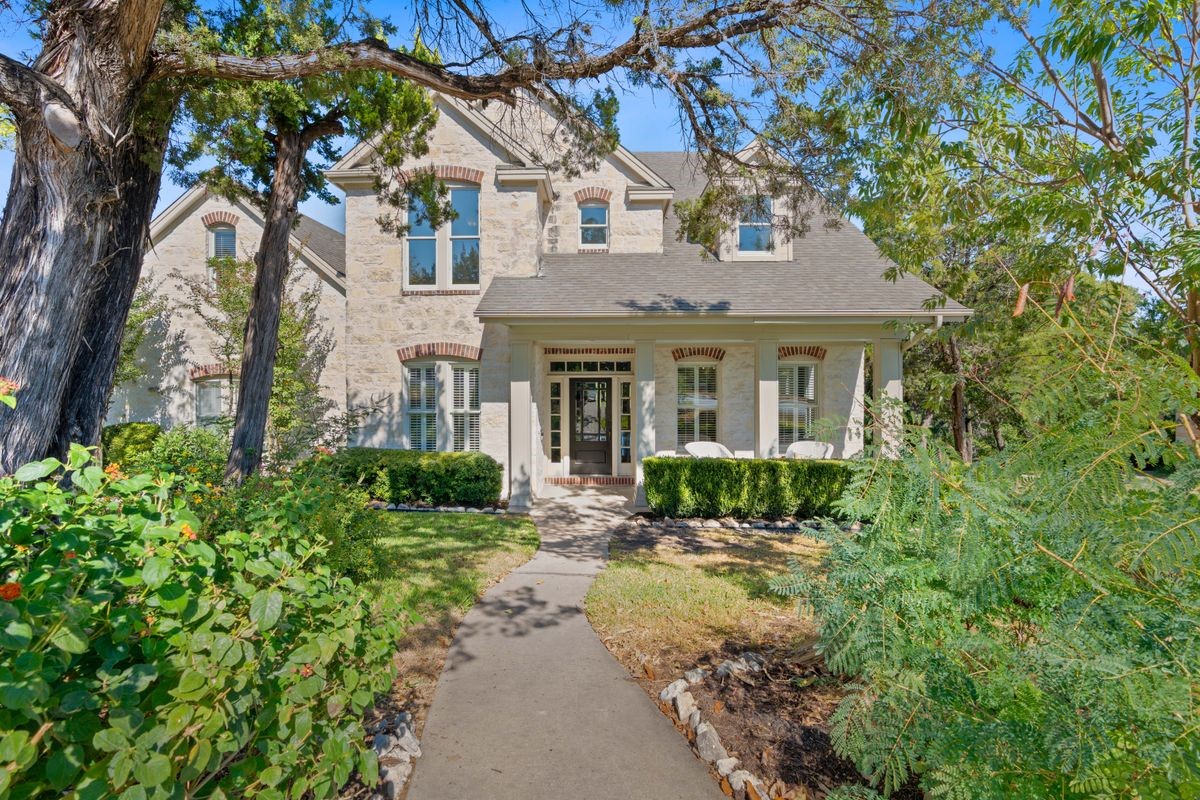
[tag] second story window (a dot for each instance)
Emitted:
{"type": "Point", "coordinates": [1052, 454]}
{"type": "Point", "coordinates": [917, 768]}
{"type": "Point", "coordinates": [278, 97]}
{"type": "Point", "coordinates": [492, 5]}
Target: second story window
{"type": "Point", "coordinates": [222, 241]}
{"type": "Point", "coordinates": [754, 226]}
{"type": "Point", "coordinates": [593, 225]}
{"type": "Point", "coordinates": [445, 257]}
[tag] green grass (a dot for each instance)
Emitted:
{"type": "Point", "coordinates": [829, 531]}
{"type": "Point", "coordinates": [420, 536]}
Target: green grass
{"type": "Point", "coordinates": [440, 562]}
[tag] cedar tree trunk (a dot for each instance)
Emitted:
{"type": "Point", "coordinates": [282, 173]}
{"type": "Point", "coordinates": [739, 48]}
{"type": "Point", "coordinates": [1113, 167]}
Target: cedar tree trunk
{"type": "Point", "coordinates": [958, 402]}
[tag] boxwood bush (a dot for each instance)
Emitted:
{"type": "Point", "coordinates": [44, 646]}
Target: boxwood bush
{"type": "Point", "coordinates": [410, 476]}
{"type": "Point", "coordinates": [141, 658]}
{"type": "Point", "coordinates": [745, 488]}
{"type": "Point", "coordinates": [125, 440]}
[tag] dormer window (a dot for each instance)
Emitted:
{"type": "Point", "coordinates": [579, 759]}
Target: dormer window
{"type": "Point", "coordinates": [754, 226]}
{"type": "Point", "coordinates": [445, 257]}
{"type": "Point", "coordinates": [593, 225]}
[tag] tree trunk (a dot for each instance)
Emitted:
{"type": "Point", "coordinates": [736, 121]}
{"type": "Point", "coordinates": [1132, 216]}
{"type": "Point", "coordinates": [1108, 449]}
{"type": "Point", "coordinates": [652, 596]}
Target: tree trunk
{"type": "Point", "coordinates": [79, 202]}
{"type": "Point", "coordinates": [266, 303]}
{"type": "Point", "coordinates": [958, 402]}
{"type": "Point", "coordinates": [998, 436]}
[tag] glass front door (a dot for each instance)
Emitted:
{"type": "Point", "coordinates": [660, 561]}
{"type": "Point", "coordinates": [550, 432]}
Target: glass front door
{"type": "Point", "coordinates": [591, 426]}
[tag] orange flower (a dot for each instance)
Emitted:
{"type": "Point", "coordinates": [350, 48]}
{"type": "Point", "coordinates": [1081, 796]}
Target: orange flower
{"type": "Point", "coordinates": [187, 533]}
{"type": "Point", "coordinates": [113, 471]}
{"type": "Point", "coordinates": [306, 671]}
{"type": "Point", "coordinates": [10, 591]}
{"type": "Point", "coordinates": [69, 555]}
{"type": "Point", "coordinates": [8, 387]}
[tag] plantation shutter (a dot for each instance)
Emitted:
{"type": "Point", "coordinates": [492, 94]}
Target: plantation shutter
{"type": "Point", "coordinates": [696, 404]}
{"type": "Point", "coordinates": [797, 402]}
{"type": "Point", "coordinates": [422, 408]}
{"type": "Point", "coordinates": [465, 408]}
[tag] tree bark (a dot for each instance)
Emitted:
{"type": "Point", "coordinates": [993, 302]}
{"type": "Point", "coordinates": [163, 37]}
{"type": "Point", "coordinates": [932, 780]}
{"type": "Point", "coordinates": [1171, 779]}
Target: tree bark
{"type": "Point", "coordinates": [266, 303]}
{"type": "Point", "coordinates": [79, 202]}
{"type": "Point", "coordinates": [958, 402]}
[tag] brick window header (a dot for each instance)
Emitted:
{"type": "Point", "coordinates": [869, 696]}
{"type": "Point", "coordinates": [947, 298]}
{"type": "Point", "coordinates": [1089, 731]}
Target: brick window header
{"type": "Point", "coordinates": [593, 193]}
{"type": "Point", "coordinates": [448, 172]}
{"type": "Point", "coordinates": [813, 351]}
{"type": "Point", "coordinates": [203, 371]}
{"type": "Point", "coordinates": [439, 349]}
{"type": "Point", "coordinates": [716, 353]}
{"type": "Point", "coordinates": [220, 218]}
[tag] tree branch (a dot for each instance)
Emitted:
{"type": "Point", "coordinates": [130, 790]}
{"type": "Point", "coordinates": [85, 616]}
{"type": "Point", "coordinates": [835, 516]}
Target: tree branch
{"type": "Point", "coordinates": [20, 87]}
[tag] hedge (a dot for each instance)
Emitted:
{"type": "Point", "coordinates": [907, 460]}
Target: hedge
{"type": "Point", "coordinates": [744, 488]}
{"type": "Point", "coordinates": [125, 440]}
{"type": "Point", "coordinates": [411, 476]}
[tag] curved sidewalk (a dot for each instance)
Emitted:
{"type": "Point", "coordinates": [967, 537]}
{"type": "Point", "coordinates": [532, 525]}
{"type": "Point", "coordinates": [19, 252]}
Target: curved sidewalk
{"type": "Point", "coordinates": [531, 705]}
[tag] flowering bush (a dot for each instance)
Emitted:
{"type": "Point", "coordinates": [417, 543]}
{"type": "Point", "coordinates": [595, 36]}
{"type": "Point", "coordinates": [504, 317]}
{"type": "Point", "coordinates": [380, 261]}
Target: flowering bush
{"type": "Point", "coordinates": [198, 454]}
{"type": "Point", "coordinates": [138, 658]}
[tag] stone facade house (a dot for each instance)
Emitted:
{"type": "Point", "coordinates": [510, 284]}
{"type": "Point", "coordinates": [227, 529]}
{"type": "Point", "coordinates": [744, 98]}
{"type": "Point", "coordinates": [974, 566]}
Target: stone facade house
{"type": "Point", "coordinates": [559, 325]}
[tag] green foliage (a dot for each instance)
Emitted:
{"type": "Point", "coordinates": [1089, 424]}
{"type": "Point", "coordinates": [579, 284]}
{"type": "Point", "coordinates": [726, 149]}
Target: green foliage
{"type": "Point", "coordinates": [410, 476]}
{"type": "Point", "coordinates": [148, 315]}
{"type": "Point", "coordinates": [125, 440]}
{"type": "Point", "coordinates": [726, 487]}
{"type": "Point", "coordinates": [198, 454]}
{"type": "Point", "coordinates": [139, 659]}
{"type": "Point", "coordinates": [1028, 625]}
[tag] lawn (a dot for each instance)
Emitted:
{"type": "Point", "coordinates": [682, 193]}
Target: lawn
{"type": "Point", "coordinates": [668, 597]}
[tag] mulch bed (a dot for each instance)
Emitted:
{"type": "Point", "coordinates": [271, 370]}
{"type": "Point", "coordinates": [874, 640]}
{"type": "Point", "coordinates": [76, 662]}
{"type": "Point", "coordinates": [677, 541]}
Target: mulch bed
{"type": "Point", "coordinates": [777, 722]}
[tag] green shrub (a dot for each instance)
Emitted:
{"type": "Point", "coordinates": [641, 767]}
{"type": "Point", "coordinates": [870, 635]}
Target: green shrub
{"type": "Point", "coordinates": [410, 476]}
{"type": "Point", "coordinates": [728, 487]}
{"type": "Point", "coordinates": [197, 454]}
{"type": "Point", "coordinates": [139, 660]}
{"type": "Point", "coordinates": [125, 440]}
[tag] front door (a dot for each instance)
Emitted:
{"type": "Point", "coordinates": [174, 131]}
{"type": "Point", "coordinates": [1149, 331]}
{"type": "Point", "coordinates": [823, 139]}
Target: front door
{"type": "Point", "coordinates": [591, 426]}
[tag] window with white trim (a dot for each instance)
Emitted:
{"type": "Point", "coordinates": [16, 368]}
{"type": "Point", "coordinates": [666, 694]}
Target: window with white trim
{"type": "Point", "coordinates": [465, 408]}
{"type": "Point", "coordinates": [754, 226]}
{"type": "Point", "coordinates": [696, 403]}
{"type": "Point", "coordinates": [222, 241]}
{"type": "Point", "coordinates": [422, 407]}
{"type": "Point", "coordinates": [797, 402]}
{"type": "Point", "coordinates": [214, 400]}
{"type": "Point", "coordinates": [593, 225]}
{"type": "Point", "coordinates": [445, 257]}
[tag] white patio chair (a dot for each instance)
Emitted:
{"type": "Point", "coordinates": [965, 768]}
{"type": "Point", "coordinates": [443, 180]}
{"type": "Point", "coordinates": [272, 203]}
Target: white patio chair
{"type": "Point", "coordinates": [809, 450]}
{"type": "Point", "coordinates": [707, 450]}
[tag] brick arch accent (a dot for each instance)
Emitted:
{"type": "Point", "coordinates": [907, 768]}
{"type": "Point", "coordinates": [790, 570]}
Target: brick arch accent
{"type": "Point", "coordinates": [448, 172]}
{"type": "Point", "coordinates": [203, 371]}
{"type": "Point", "coordinates": [811, 350]}
{"type": "Point", "coordinates": [443, 349]}
{"type": "Point", "coordinates": [593, 193]}
{"type": "Point", "coordinates": [717, 353]}
{"type": "Point", "coordinates": [220, 218]}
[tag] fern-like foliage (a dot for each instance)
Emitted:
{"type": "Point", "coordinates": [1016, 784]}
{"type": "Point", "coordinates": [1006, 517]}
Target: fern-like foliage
{"type": "Point", "coordinates": [1028, 626]}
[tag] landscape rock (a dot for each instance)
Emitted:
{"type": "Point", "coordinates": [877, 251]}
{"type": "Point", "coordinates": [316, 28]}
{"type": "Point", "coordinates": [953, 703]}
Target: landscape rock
{"type": "Point", "coordinates": [712, 523]}
{"type": "Point", "coordinates": [393, 777]}
{"type": "Point", "coordinates": [708, 743]}
{"type": "Point", "coordinates": [673, 688]}
{"type": "Point", "coordinates": [694, 720]}
{"type": "Point", "coordinates": [391, 506]}
{"type": "Point", "coordinates": [406, 741]}
{"type": "Point", "coordinates": [685, 704]}
{"type": "Point", "coordinates": [727, 765]}
{"type": "Point", "coordinates": [738, 780]}
{"type": "Point", "coordinates": [695, 675]}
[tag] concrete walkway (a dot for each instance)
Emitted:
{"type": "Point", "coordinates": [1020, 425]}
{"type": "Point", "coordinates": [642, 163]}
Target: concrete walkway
{"type": "Point", "coordinates": [531, 705]}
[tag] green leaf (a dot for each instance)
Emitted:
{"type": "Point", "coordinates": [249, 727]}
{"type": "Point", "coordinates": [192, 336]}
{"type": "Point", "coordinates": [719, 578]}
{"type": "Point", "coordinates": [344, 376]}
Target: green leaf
{"type": "Point", "coordinates": [265, 608]}
{"type": "Point", "coordinates": [64, 765]}
{"type": "Point", "coordinates": [110, 740]}
{"type": "Point", "coordinates": [191, 686]}
{"type": "Point", "coordinates": [37, 469]}
{"type": "Point", "coordinates": [155, 571]}
{"type": "Point", "coordinates": [78, 456]}
{"type": "Point", "coordinates": [69, 638]}
{"type": "Point", "coordinates": [16, 635]}
{"type": "Point", "coordinates": [154, 771]}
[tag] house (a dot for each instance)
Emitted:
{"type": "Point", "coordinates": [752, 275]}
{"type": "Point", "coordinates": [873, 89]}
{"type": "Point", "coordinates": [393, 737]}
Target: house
{"type": "Point", "coordinates": [558, 323]}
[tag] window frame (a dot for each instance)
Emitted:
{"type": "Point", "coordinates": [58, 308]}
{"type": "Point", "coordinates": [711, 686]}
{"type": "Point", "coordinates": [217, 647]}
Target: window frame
{"type": "Point", "coordinates": [443, 409]}
{"type": "Point", "coordinates": [226, 388]}
{"type": "Point", "coordinates": [795, 405]}
{"type": "Point", "coordinates": [769, 224]}
{"type": "Point", "coordinates": [471, 408]}
{"type": "Point", "coordinates": [694, 406]}
{"type": "Point", "coordinates": [211, 249]}
{"type": "Point", "coordinates": [444, 239]}
{"type": "Point", "coordinates": [592, 226]}
{"type": "Point", "coordinates": [428, 371]}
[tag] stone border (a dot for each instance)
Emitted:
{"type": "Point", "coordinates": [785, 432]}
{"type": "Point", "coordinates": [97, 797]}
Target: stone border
{"type": "Point", "coordinates": [396, 746]}
{"type": "Point", "coordinates": [670, 523]}
{"type": "Point", "coordinates": [379, 505]}
{"type": "Point", "coordinates": [675, 700]}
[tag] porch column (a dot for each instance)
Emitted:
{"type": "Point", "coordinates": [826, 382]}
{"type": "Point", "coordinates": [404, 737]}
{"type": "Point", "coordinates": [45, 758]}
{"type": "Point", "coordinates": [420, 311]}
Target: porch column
{"type": "Point", "coordinates": [887, 375]}
{"type": "Point", "coordinates": [768, 399]}
{"type": "Point", "coordinates": [520, 426]}
{"type": "Point", "coordinates": [643, 376]}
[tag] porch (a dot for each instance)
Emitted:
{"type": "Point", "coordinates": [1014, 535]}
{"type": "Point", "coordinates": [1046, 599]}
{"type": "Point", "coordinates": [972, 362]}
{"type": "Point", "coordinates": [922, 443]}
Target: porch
{"type": "Point", "coordinates": [586, 407]}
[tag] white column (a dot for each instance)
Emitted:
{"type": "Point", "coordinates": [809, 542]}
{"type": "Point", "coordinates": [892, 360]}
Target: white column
{"type": "Point", "coordinates": [520, 426]}
{"type": "Point", "coordinates": [887, 375]}
{"type": "Point", "coordinates": [768, 399]}
{"type": "Point", "coordinates": [643, 377]}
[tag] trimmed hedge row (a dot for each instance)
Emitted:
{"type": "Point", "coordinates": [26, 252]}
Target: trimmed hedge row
{"type": "Point", "coordinates": [125, 440]}
{"type": "Point", "coordinates": [745, 488]}
{"type": "Point", "coordinates": [410, 476]}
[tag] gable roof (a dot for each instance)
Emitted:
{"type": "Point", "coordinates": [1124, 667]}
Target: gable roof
{"type": "Point", "coordinates": [835, 270]}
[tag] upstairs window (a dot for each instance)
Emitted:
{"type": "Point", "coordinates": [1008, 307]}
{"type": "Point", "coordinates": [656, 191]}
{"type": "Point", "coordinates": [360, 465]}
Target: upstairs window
{"type": "Point", "coordinates": [445, 257]}
{"type": "Point", "coordinates": [797, 402]}
{"type": "Point", "coordinates": [696, 404]}
{"type": "Point", "coordinates": [754, 225]}
{"type": "Point", "coordinates": [222, 241]}
{"type": "Point", "coordinates": [593, 225]}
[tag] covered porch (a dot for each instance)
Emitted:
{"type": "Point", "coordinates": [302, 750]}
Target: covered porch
{"type": "Point", "coordinates": [589, 401]}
